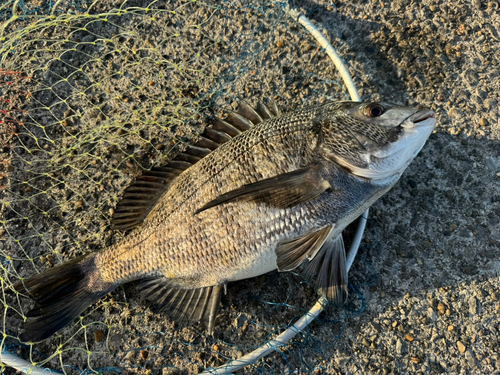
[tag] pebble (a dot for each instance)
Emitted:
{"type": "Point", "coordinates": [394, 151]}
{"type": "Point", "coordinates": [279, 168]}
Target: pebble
{"type": "Point", "coordinates": [470, 358]}
{"type": "Point", "coordinates": [441, 308]}
{"type": "Point", "coordinates": [409, 337]}
{"type": "Point", "coordinates": [483, 121]}
{"type": "Point", "coordinates": [399, 347]}
{"type": "Point", "coordinates": [461, 347]}
{"type": "Point", "coordinates": [170, 371]}
{"type": "Point", "coordinates": [473, 305]}
{"type": "Point", "coordinates": [98, 335]}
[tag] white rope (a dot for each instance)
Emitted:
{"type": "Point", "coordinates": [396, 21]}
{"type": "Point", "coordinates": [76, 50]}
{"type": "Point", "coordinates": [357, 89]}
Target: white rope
{"type": "Point", "coordinates": [313, 313]}
{"type": "Point", "coordinates": [330, 51]}
{"type": "Point", "coordinates": [234, 365]}
{"type": "Point", "coordinates": [21, 365]}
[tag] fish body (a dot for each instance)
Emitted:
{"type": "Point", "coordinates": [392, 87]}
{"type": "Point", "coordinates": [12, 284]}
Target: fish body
{"type": "Point", "coordinates": [260, 191]}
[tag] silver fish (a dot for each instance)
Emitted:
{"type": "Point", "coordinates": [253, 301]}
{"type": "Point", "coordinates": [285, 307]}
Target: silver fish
{"type": "Point", "coordinates": [260, 191]}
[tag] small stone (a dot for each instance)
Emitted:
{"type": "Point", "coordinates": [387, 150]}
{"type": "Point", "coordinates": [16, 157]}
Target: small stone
{"type": "Point", "coordinates": [261, 334]}
{"type": "Point", "coordinates": [415, 360]}
{"type": "Point", "coordinates": [453, 226]}
{"type": "Point", "coordinates": [432, 8]}
{"type": "Point", "coordinates": [461, 347]}
{"type": "Point", "coordinates": [470, 358]}
{"type": "Point", "coordinates": [342, 361]}
{"type": "Point", "coordinates": [441, 308]}
{"type": "Point", "coordinates": [451, 328]}
{"type": "Point", "coordinates": [98, 335]}
{"type": "Point", "coordinates": [170, 371]}
{"type": "Point", "coordinates": [473, 306]}
{"type": "Point", "coordinates": [144, 354]}
{"type": "Point", "coordinates": [399, 347]}
{"type": "Point", "coordinates": [111, 211]}
{"type": "Point", "coordinates": [215, 347]}
{"type": "Point", "coordinates": [409, 337]}
{"type": "Point", "coordinates": [483, 121]}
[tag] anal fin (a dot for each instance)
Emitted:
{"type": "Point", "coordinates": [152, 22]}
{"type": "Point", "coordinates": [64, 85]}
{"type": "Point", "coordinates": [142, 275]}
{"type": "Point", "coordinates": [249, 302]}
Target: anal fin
{"type": "Point", "coordinates": [184, 305]}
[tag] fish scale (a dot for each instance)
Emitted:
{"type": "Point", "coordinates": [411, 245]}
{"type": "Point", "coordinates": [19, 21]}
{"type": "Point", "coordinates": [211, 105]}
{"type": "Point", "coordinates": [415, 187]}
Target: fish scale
{"type": "Point", "coordinates": [246, 199]}
{"type": "Point", "coordinates": [195, 195]}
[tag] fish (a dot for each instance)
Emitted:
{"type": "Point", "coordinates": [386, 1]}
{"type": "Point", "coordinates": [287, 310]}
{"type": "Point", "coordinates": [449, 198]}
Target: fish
{"type": "Point", "coordinates": [261, 190]}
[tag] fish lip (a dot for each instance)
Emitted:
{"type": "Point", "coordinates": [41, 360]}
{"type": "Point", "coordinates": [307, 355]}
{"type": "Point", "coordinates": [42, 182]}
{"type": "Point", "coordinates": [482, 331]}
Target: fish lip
{"type": "Point", "coordinates": [419, 119]}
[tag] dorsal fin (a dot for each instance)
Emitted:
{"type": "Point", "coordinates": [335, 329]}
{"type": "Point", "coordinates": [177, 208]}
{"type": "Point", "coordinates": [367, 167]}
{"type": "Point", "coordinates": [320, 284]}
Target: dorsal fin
{"type": "Point", "coordinates": [248, 112]}
{"type": "Point", "coordinates": [142, 195]}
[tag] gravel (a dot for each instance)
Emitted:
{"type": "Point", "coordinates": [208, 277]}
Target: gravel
{"type": "Point", "coordinates": [427, 277]}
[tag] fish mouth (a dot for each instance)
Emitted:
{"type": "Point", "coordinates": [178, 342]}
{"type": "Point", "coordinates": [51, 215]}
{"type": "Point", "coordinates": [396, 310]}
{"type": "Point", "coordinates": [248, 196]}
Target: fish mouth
{"type": "Point", "coordinates": [421, 118]}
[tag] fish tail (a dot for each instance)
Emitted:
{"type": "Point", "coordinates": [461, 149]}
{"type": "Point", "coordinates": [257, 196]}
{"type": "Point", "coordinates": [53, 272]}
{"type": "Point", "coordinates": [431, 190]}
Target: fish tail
{"type": "Point", "coordinates": [61, 294]}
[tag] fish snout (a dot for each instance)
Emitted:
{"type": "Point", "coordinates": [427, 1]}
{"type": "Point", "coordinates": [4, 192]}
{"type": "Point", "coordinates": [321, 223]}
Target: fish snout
{"type": "Point", "coordinates": [421, 118]}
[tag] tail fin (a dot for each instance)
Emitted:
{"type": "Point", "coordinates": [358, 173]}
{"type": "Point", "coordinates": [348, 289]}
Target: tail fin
{"type": "Point", "coordinates": [61, 294]}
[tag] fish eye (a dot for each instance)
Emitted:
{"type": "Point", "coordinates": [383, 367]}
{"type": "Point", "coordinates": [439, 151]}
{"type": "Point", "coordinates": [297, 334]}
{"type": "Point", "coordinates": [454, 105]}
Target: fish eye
{"type": "Point", "coordinates": [373, 110]}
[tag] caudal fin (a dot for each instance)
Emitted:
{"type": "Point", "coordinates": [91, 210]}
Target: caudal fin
{"type": "Point", "coordinates": [61, 294]}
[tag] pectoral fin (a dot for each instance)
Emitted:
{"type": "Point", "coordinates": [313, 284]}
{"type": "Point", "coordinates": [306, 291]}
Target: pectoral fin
{"type": "Point", "coordinates": [328, 270]}
{"type": "Point", "coordinates": [283, 191]}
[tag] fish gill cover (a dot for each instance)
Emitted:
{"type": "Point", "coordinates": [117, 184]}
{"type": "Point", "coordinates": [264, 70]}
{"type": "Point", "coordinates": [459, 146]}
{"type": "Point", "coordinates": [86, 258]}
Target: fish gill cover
{"type": "Point", "coordinates": [91, 95]}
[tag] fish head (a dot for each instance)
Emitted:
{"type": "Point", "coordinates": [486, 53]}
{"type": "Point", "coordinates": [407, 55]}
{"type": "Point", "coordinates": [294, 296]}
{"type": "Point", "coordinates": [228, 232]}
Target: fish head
{"type": "Point", "coordinates": [374, 141]}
